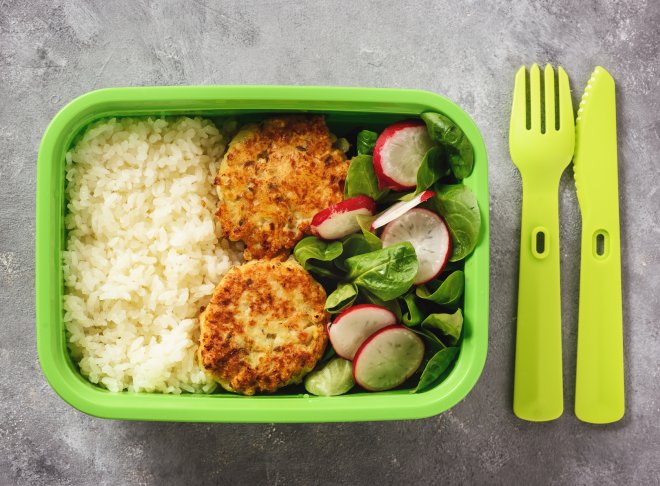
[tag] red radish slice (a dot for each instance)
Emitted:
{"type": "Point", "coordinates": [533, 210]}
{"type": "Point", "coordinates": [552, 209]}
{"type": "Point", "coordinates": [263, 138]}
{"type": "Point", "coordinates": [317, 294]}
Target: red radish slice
{"type": "Point", "coordinates": [340, 219]}
{"type": "Point", "coordinates": [429, 236]}
{"type": "Point", "coordinates": [398, 153]}
{"type": "Point", "coordinates": [350, 329]}
{"type": "Point", "coordinates": [388, 358]}
{"type": "Point", "coordinates": [399, 209]}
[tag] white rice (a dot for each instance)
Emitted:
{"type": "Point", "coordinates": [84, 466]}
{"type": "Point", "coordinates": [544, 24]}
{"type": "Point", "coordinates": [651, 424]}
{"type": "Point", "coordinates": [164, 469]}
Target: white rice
{"type": "Point", "coordinates": [143, 252]}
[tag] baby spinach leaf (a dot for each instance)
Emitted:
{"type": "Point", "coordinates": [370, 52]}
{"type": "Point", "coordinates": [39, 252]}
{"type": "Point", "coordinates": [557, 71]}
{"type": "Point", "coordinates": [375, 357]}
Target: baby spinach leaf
{"type": "Point", "coordinates": [449, 325]}
{"type": "Point", "coordinates": [446, 133]}
{"type": "Point", "coordinates": [365, 225]}
{"type": "Point", "coordinates": [434, 166]}
{"type": "Point", "coordinates": [366, 140]}
{"type": "Point", "coordinates": [414, 315]}
{"type": "Point", "coordinates": [312, 248]}
{"type": "Point", "coordinates": [341, 298]}
{"type": "Point", "coordinates": [435, 367]}
{"type": "Point", "coordinates": [387, 273]}
{"type": "Point", "coordinates": [321, 270]}
{"type": "Point", "coordinates": [355, 244]}
{"type": "Point", "coordinates": [431, 339]}
{"type": "Point", "coordinates": [448, 293]}
{"type": "Point", "coordinates": [458, 206]}
{"type": "Point", "coordinates": [361, 179]}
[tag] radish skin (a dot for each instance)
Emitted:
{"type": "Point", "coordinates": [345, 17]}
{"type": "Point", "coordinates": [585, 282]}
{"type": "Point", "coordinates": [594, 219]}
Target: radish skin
{"type": "Point", "coordinates": [353, 326]}
{"type": "Point", "coordinates": [340, 219]}
{"type": "Point", "coordinates": [398, 154]}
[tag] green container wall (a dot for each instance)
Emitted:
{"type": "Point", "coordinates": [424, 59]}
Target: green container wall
{"type": "Point", "coordinates": [346, 109]}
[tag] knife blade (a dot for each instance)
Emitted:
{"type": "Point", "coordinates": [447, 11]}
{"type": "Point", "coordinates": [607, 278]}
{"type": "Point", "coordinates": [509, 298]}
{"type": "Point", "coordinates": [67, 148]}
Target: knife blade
{"type": "Point", "coordinates": [599, 381]}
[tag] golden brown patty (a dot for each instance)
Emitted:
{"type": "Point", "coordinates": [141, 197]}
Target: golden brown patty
{"type": "Point", "coordinates": [264, 327]}
{"type": "Point", "coordinates": [274, 178]}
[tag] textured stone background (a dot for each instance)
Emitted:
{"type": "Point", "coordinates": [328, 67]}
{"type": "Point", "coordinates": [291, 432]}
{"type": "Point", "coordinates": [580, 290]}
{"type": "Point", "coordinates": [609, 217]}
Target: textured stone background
{"type": "Point", "coordinates": [53, 51]}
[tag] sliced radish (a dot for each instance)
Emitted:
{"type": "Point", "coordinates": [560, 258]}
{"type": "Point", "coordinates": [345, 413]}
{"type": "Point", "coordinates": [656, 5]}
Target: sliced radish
{"type": "Point", "coordinates": [388, 358]}
{"type": "Point", "coordinates": [399, 152]}
{"type": "Point", "coordinates": [399, 209]}
{"type": "Point", "coordinates": [340, 219]}
{"type": "Point", "coordinates": [350, 329]}
{"type": "Point", "coordinates": [429, 236]}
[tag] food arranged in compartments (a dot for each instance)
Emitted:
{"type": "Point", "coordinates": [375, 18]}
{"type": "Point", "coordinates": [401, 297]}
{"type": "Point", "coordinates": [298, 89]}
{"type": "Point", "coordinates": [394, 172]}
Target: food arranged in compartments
{"type": "Point", "coordinates": [203, 252]}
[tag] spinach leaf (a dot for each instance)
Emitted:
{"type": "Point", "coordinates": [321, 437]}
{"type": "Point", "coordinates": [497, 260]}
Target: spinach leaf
{"type": "Point", "coordinates": [312, 248]}
{"type": "Point", "coordinates": [321, 270]}
{"type": "Point", "coordinates": [434, 166]}
{"type": "Point", "coordinates": [361, 179]}
{"type": "Point", "coordinates": [365, 225]}
{"type": "Point", "coordinates": [355, 244]}
{"type": "Point", "coordinates": [445, 132]}
{"type": "Point", "coordinates": [458, 206]}
{"type": "Point", "coordinates": [341, 298]}
{"type": "Point", "coordinates": [414, 316]}
{"type": "Point", "coordinates": [366, 140]}
{"type": "Point", "coordinates": [449, 325]}
{"type": "Point", "coordinates": [387, 273]}
{"type": "Point", "coordinates": [432, 340]}
{"type": "Point", "coordinates": [435, 367]}
{"type": "Point", "coordinates": [448, 293]}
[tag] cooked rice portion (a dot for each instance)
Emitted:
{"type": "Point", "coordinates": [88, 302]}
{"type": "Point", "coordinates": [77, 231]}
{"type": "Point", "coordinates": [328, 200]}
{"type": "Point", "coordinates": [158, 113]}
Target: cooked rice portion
{"type": "Point", "coordinates": [143, 252]}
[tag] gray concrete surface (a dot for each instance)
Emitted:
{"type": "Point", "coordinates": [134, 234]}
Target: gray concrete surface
{"type": "Point", "coordinates": [52, 51]}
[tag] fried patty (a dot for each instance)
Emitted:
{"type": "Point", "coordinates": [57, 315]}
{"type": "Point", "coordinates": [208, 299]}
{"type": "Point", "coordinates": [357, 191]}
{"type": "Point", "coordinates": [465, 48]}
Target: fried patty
{"type": "Point", "coordinates": [274, 178]}
{"type": "Point", "coordinates": [264, 327]}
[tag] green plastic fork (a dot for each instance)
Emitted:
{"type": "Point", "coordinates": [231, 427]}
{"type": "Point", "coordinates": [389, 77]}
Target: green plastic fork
{"type": "Point", "coordinates": [541, 142]}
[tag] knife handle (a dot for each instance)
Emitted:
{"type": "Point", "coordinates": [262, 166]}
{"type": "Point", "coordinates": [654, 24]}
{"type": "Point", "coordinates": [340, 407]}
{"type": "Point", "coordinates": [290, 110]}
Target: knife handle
{"type": "Point", "coordinates": [537, 389]}
{"type": "Point", "coordinates": [599, 386]}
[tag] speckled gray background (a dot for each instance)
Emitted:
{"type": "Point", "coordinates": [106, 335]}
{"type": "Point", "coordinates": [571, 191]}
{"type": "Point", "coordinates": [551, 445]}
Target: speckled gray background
{"type": "Point", "coordinates": [52, 51]}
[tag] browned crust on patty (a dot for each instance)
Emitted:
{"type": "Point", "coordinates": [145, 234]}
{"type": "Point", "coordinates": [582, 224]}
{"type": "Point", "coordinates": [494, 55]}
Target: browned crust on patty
{"type": "Point", "coordinates": [274, 178]}
{"type": "Point", "coordinates": [264, 328]}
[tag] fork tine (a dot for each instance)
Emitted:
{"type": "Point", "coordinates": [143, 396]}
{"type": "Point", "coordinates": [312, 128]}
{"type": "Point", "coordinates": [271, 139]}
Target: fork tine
{"type": "Point", "coordinates": [535, 97]}
{"type": "Point", "coordinates": [519, 108]}
{"type": "Point", "coordinates": [549, 98]}
{"type": "Point", "coordinates": [566, 116]}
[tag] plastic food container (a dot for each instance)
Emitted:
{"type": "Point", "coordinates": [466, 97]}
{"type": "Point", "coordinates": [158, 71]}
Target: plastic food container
{"type": "Point", "coordinates": [346, 109]}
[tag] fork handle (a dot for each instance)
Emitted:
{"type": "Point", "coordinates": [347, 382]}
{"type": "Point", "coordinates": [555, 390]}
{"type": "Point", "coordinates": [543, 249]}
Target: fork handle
{"type": "Point", "coordinates": [537, 389]}
{"type": "Point", "coordinates": [599, 384]}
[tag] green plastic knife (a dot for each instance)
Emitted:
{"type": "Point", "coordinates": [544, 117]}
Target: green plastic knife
{"type": "Point", "coordinates": [599, 388]}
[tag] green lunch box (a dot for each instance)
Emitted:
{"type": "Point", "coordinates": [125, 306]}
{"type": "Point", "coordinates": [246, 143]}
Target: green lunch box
{"type": "Point", "coordinates": [346, 109]}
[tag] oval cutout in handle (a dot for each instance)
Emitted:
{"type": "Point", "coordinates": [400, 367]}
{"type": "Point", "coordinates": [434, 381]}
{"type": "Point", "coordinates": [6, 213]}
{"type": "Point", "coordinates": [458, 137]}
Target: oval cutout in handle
{"type": "Point", "coordinates": [601, 244]}
{"type": "Point", "coordinates": [540, 243]}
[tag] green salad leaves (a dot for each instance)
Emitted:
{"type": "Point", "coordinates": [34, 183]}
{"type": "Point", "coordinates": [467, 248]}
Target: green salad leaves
{"type": "Point", "coordinates": [458, 206]}
{"type": "Point", "coordinates": [361, 179]}
{"type": "Point", "coordinates": [358, 270]}
{"type": "Point", "coordinates": [435, 367]}
{"type": "Point", "coordinates": [366, 140]}
{"type": "Point", "coordinates": [434, 166]}
{"type": "Point", "coordinates": [447, 293]}
{"type": "Point", "coordinates": [343, 297]}
{"type": "Point", "coordinates": [387, 273]}
{"type": "Point", "coordinates": [447, 134]}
